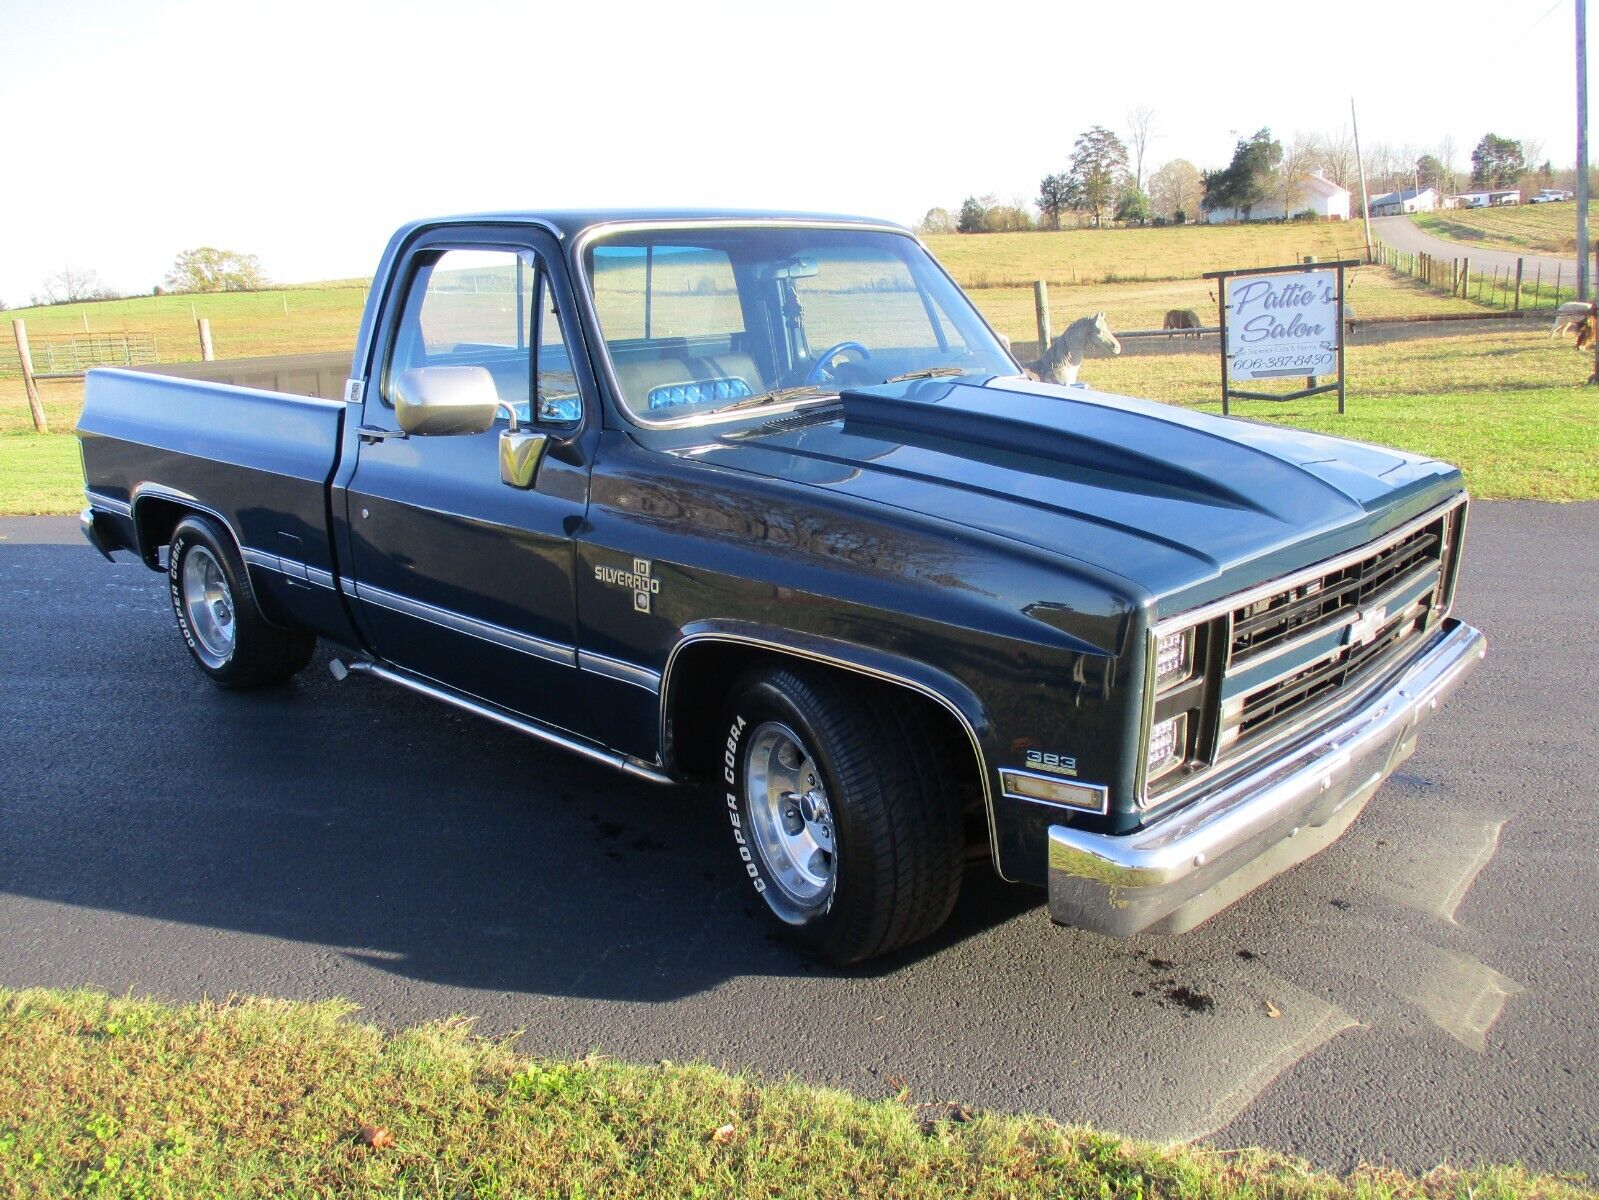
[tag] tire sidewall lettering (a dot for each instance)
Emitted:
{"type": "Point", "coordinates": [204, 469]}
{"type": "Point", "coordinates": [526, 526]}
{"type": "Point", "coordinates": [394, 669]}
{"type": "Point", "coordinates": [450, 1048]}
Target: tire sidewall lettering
{"type": "Point", "coordinates": [180, 547]}
{"type": "Point", "coordinates": [730, 758]}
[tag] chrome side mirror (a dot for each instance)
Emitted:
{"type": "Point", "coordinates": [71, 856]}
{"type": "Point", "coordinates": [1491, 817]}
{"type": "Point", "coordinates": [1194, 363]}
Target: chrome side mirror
{"type": "Point", "coordinates": [440, 401]}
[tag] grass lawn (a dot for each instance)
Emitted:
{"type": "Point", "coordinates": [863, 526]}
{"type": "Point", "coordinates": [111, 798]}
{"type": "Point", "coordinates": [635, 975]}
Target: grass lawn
{"type": "Point", "coordinates": [1074, 256]}
{"type": "Point", "coordinates": [40, 473]}
{"type": "Point", "coordinates": [108, 1097]}
{"type": "Point", "coordinates": [1535, 228]}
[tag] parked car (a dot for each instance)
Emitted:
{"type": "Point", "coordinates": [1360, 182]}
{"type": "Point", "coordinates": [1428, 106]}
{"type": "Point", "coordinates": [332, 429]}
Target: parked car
{"type": "Point", "coordinates": [761, 503]}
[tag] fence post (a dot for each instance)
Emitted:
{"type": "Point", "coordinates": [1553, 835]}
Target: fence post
{"type": "Point", "coordinates": [1537, 286]}
{"type": "Point", "coordinates": [206, 352]}
{"type": "Point", "coordinates": [1558, 267]}
{"type": "Point", "coordinates": [1041, 311]}
{"type": "Point", "coordinates": [35, 408]}
{"type": "Point", "coordinates": [1518, 284]}
{"type": "Point", "coordinates": [1310, 380]}
{"type": "Point", "coordinates": [1465, 277]}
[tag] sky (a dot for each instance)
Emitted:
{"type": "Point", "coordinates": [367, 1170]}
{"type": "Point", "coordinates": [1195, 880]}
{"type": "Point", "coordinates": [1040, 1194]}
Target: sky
{"type": "Point", "coordinates": [305, 132]}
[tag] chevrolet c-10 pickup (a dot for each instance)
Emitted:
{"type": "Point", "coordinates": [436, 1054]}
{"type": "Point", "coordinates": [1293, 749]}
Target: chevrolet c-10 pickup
{"type": "Point", "coordinates": [761, 503]}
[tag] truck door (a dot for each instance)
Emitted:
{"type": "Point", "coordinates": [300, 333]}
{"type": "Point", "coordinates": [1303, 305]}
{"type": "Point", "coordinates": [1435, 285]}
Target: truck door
{"type": "Point", "coordinates": [457, 576]}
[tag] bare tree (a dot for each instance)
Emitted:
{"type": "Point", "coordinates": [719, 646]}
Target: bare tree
{"type": "Point", "coordinates": [1335, 157]}
{"type": "Point", "coordinates": [71, 284]}
{"type": "Point", "coordinates": [1448, 153]}
{"type": "Point", "coordinates": [1176, 187]}
{"type": "Point", "coordinates": [1140, 132]}
{"type": "Point", "coordinates": [1295, 167]}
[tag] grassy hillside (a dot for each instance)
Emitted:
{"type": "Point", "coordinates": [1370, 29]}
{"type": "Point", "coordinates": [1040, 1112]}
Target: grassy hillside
{"type": "Point", "coordinates": [1076, 256]}
{"type": "Point", "coordinates": [1534, 228]}
{"type": "Point", "coordinates": [128, 1098]}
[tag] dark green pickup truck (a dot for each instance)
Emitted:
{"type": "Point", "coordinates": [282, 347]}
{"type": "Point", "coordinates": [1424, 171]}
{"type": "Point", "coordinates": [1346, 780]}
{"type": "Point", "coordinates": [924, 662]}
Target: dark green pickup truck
{"type": "Point", "coordinates": [761, 503]}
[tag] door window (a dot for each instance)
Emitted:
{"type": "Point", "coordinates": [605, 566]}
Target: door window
{"type": "Point", "coordinates": [493, 309]}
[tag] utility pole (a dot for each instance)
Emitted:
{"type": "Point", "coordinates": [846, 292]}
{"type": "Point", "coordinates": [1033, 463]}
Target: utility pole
{"type": "Point", "coordinates": [1582, 149]}
{"type": "Point", "coordinates": [1365, 208]}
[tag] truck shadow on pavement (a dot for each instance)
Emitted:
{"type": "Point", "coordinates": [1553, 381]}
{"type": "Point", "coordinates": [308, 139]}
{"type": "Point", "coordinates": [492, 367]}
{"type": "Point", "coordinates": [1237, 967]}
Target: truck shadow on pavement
{"type": "Point", "coordinates": [355, 816]}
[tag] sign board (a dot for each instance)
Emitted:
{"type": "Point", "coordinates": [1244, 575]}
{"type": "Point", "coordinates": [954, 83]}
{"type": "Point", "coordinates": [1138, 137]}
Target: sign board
{"type": "Point", "coordinates": [1281, 323]}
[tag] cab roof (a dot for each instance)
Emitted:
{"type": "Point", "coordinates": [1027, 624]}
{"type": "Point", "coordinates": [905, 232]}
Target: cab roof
{"type": "Point", "coordinates": [569, 223]}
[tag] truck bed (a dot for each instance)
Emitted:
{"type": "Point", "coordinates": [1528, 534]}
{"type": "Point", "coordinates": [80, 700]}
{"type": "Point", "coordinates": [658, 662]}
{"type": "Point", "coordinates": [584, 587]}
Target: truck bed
{"type": "Point", "coordinates": [258, 461]}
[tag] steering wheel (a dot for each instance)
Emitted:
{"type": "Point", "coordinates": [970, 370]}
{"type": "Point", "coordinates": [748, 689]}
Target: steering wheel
{"type": "Point", "coordinates": [821, 369]}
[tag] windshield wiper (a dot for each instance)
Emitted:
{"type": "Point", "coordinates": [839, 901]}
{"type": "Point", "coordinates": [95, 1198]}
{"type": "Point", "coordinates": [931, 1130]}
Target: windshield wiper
{"type": "Point", "coordinates": [776, 396]}
{"type": "Point", "coordinates": [928, 373]}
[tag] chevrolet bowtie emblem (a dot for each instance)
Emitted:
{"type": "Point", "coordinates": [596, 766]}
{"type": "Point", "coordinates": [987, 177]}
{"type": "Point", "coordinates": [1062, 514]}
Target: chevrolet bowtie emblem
{"type": "Point", "coordinates": [1365, 627]}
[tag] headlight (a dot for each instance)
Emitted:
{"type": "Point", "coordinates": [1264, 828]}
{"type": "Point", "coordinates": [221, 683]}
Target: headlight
{"type": "Point", "coordinates": [1167, 743]}
{"type": "Point", "coordinates": [1174, 657]}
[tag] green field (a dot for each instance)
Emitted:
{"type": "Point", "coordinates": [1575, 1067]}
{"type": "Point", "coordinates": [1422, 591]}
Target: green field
{"type": "Point", "coordinates": [1533, 228]}
{"type": "Point", "coordinates": [1438, 395]}
{"type": "Point", "coordinates": [1076, 256]}
{"type": "Point", "coordinates": [128, 1098]}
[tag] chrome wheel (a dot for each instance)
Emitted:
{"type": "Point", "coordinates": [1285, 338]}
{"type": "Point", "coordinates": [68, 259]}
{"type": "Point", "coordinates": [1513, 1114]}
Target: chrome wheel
{"type": "Point", "coordinates": [789, 815]}
{"type": "Point", "coordinates": [207, 606]}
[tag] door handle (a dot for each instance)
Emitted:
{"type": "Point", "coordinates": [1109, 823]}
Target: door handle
{"type": "Point", "coordinates": [371, 434]}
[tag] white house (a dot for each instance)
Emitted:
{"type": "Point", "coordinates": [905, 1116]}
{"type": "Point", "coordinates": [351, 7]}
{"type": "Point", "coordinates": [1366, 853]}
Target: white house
{"type": "Point", "coordinates": [1320, 196]}
{"type": "Point", "coordinates": [1407, 201]}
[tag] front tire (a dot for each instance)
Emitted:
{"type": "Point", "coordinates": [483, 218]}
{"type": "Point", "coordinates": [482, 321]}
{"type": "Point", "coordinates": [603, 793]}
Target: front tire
{"type": "Point", "coordinates": [214, 605]}
{"type": "Point", "coordinates": [844, 813]}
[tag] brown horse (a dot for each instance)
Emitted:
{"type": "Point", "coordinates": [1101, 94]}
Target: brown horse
{"type": "Point", "coordinates": [1182, 320]}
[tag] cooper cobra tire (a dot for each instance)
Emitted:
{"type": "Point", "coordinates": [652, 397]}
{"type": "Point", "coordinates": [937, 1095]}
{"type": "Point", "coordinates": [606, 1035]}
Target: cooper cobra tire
{"type": "Point", "coordinates": [216, 612]}
{"type": "Point", "coordinates": [842, 809]}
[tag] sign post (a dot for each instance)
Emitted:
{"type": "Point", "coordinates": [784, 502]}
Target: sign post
{"type": "Point", "coordinates": [1278, 322]}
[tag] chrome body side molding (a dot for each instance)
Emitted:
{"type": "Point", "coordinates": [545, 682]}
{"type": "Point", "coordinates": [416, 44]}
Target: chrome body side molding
{"type": "Point", "coordinates": [497, 635]}
{"type": "Point", "coordinates": [610, 758]}
{"type": "Point", "coordinates": [619, 670]}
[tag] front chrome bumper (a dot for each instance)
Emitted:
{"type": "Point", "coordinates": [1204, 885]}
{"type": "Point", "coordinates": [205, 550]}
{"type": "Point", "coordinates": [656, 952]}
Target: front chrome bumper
{"type": "Point", "coordinates": [1182, 869]}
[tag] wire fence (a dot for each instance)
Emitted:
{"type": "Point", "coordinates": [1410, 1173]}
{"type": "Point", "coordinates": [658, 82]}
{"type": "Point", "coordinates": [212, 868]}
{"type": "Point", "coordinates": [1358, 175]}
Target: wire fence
{"type": "Point", "coordinates": [67, 355]}
{"type": "Point", "coordinates": [1511, 288]}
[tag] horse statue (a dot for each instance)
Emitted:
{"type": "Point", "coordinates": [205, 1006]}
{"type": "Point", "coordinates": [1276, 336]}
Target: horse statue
{"type": "Point", "coordinates": [1084, 338]}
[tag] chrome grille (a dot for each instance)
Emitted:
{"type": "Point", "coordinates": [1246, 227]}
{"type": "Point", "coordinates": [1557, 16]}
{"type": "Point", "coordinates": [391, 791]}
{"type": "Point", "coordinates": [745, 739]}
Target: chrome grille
{"type": "Point", "coordinates": [1259, 627]}
{"type": "Point", "coordinates": [1379, 601]}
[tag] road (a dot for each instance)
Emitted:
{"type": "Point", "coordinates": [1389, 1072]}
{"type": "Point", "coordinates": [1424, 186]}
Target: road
{"type": "Point", "coordinates": [1402, 234]}
{"type": "Point", "coordinates": [1422, 991]}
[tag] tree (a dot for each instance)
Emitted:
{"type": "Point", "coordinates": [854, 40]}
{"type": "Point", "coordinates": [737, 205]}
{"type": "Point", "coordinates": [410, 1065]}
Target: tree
{"type": "Point", "coordinates": [1054, 198]}
{"type": "Point", "coordinates": [1254, 168]}
{"type": "Point", "coordinates": [1248, 179]}
{"type": "Point", "coordinates": [1335, 158]}
{"type": "Point", "coordinates": [1132, 205]}
{"type": "Point", "coordinates": [71, 284]}
{"type": "Point", "coordinates": [1176, 187]}
{"type": "Point", "coordinates": [1449, 179]}
{"type": "Point", "coordinates": [937, 220]}
{"type": "Point", "coordinates": [1140, 132]}
{"type": "Point", "coordinates": [1497, 162]}
{"type": "Point", "coordinates": [1098, 167]}
{"type": "Point", "coordinates": [1430, 172]}
{"type": "Point", "coordinates": [973, 212]}
{"type": "Point", "coordinates": [207, 269]}
{"type": "Point", "coordinates": [1294, 166]}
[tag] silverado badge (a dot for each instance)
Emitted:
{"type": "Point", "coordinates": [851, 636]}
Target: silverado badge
{"type": "Point", "coordinates": [639, 581]}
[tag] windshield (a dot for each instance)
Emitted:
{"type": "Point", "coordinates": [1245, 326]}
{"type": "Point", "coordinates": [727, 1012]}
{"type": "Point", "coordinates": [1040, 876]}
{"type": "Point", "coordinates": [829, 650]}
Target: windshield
{"type": "Point", "coordinates": [708, 321]}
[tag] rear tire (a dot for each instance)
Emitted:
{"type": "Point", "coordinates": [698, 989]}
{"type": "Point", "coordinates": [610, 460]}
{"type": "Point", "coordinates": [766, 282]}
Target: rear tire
{"type": "Point", "coordinates": [214, 605]}
{"type": "Point", "coordinates": [845, 816]}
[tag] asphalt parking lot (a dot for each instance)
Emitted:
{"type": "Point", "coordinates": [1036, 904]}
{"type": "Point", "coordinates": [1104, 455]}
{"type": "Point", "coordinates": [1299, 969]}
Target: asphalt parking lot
{"type": "Point", "coordinates": [1423, 991]}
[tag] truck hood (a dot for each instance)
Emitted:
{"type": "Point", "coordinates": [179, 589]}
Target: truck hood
{"type": "Point", "coordinates": [1185, 505]}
